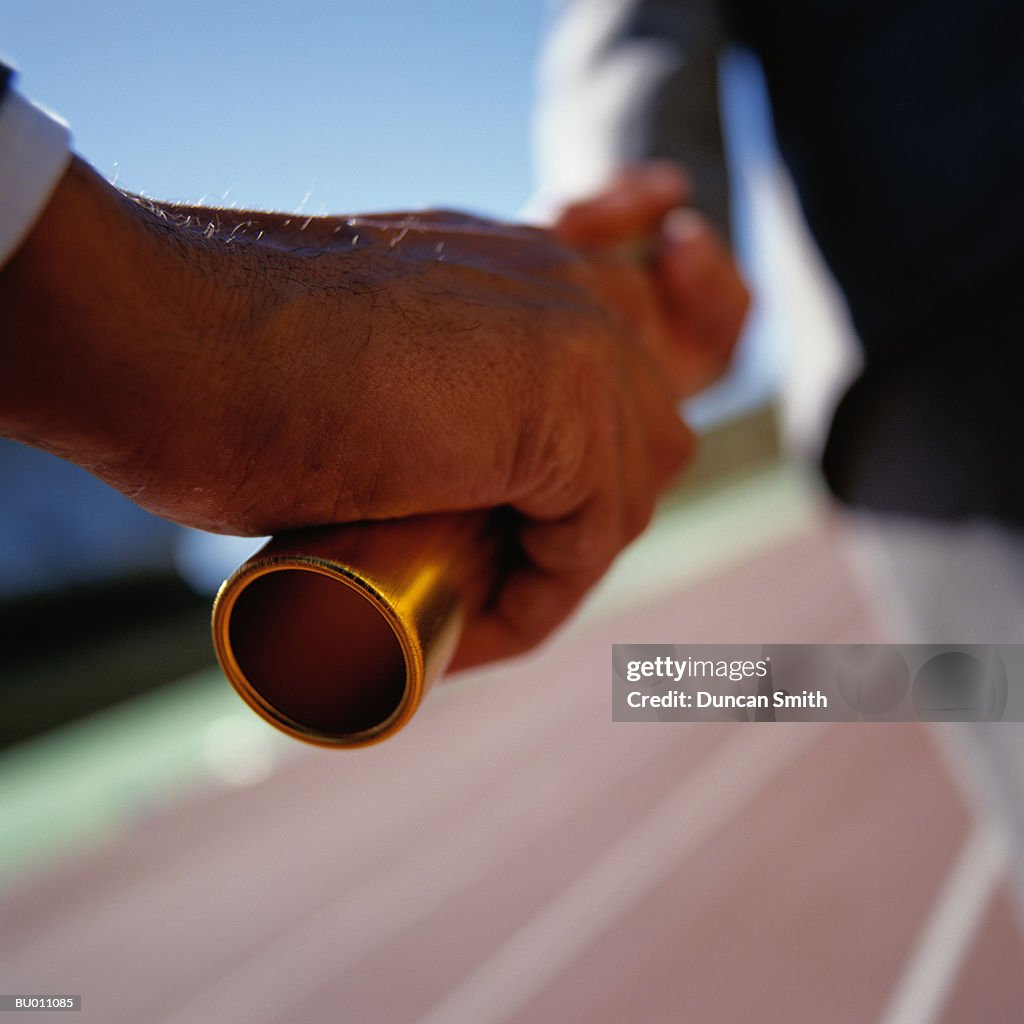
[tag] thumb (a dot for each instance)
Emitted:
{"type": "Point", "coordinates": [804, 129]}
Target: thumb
{"type": "Point", "coordinates": [705, 297]}
{"type": "Point", "coordinates": [629, 208]}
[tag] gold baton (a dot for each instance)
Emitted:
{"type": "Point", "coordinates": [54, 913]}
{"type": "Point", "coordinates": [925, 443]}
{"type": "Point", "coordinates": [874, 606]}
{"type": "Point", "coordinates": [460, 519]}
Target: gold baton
{"type": "Point", "coordinates": [335, 634]}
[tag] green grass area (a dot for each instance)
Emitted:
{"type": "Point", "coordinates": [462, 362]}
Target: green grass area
{"type": "Point", "coordinates": [707, 529]}
{"type": "Point", "coordinates": [83, 782]}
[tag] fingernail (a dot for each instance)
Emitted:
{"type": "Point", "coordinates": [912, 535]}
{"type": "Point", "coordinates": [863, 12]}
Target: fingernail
{"type": "Point", "coordinates": [682, 226]}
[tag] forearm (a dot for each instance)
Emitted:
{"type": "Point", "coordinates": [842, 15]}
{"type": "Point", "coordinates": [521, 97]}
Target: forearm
{"type": "Point", "coordinates": [62, 295]}
{"type": "Point", "coordinates": [109, 317]}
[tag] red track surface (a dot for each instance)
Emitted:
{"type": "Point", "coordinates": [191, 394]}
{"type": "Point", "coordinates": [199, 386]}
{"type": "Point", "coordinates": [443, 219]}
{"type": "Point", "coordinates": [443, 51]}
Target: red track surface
{"type": "Point", "coordinates": [516, 856]}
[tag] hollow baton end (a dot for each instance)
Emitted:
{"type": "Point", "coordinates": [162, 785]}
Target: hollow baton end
{"type": "Point", "coordinates": [334, 635]}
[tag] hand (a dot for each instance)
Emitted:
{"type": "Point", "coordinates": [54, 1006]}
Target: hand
{"type": "Point", "coordinates": [676, 283]}
{"type": "Point", "coordinates": [250, 373]}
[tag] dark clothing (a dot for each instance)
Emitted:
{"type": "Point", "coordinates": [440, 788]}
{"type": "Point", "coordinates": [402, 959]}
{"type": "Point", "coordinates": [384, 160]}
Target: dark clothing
{"type": "Point", "coordinates": [902, 125]}
{"type": "Point", "coordinates": [6, 76]}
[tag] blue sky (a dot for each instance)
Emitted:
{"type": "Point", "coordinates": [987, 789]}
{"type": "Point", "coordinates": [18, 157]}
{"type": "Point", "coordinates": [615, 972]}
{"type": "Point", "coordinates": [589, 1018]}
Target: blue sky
{"type": "Point", "coordinates": [327, 107]}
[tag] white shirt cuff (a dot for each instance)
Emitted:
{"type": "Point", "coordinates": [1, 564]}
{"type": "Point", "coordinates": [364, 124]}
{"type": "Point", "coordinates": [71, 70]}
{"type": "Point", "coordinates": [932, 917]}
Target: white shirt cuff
{"type": "Point", "coordinates": [34, 153]}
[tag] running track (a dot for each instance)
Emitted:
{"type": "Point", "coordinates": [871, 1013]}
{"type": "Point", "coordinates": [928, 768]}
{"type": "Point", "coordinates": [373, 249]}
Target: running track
{"type": "Point", "coordinates": [516, 858]}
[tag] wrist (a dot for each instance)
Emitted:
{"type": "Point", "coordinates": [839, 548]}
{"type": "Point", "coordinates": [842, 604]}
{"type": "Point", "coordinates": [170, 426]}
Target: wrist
{"type": "Point", "coordinates": [102, 314]}
{"type": "Point", "coordinates": [60, 294]}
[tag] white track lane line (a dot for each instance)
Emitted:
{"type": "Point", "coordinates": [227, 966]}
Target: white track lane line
{"type": "Point", "coordinates": [949, 930]}
{"type": "Point", "coordinates": [707, 800]}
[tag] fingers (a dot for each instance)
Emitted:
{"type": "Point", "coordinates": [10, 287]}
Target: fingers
{"type": "Point", "coordinates": [705, 298]}
{"type": "Point", "coordinates": [668, 442]}
{"type": "Point", "coordinates": [530, 606]}
{"type": "Point", "coordinates": [561, 556]}
{"type": "Point", "coordinates": [630, 208]}
{"type": "Point", "coordinates": [692, 313]}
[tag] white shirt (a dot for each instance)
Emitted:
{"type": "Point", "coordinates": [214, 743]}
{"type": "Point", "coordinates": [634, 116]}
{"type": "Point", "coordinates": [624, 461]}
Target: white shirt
{"type": "Point", "coordinates": [34, 153]}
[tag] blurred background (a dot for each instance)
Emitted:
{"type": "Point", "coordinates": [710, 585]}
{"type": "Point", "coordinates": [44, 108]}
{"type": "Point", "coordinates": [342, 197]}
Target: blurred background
{"type": "Point", "coordinates": [512, 856]}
